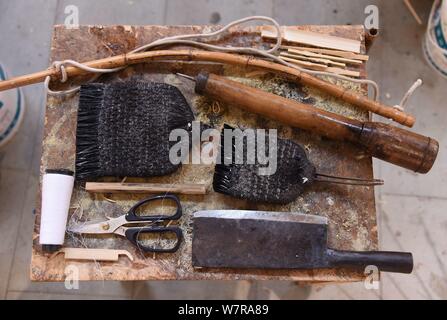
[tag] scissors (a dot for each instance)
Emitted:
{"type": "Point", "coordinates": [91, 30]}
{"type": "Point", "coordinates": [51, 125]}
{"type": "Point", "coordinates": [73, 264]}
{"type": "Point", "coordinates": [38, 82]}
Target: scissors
{"type": "Point", "coordinates": [117, 225]}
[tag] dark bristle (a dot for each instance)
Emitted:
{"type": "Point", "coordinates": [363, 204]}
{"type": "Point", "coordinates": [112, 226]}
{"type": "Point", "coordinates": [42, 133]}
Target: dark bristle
{"type": "Point", "coordinates": [244, 181]}
{"type": "Point", "coordinates": [182, 116]}
{"type": "Point", "coordinates": [222, 178]}
{"type": "Point", "coordinates": [87, 151]}
{"type": "Point", "coordinates": [123, 128]}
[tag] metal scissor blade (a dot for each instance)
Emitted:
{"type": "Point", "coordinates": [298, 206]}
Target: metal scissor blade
{"type": "Point", "coordinates": [89, 228]}
{"type": "Point", "coordinates": [103, 227]}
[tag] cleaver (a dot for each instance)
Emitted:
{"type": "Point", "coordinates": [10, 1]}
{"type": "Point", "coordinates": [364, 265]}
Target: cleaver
{"type": "Point", "coordinates": [278, 240]}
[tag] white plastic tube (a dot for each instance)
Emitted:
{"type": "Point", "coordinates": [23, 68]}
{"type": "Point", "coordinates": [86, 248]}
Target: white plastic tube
{"type": "Point", "coordinates": [57, 187]}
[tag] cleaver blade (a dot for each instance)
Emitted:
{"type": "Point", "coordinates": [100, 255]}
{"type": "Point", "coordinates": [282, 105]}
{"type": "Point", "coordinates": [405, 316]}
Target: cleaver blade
{"type": "Point", "coordinates": [277, 240]}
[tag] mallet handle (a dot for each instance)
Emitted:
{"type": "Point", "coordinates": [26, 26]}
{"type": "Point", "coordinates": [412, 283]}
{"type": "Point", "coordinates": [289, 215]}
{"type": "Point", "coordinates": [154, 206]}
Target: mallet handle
{"type": "Point", "coordinates": [394, 145]}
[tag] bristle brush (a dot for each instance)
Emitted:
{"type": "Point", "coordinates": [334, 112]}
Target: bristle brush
{"type": "Point", "coordinates": [123, 128]}
{"type": "Point", "coordinates": [294, 172]}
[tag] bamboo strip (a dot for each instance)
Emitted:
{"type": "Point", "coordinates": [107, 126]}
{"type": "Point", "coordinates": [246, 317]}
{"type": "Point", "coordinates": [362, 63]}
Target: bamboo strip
{"type": "Point", "coordinates": [330, 52]}
{"type": "Point", "coordinates": [321, 67]}
{"type": "Point", "coordinates": [305, 64]}
{"type": "Point", "coordinates": [413, 12]}
{"type": "Point", "coordinates": [344, 72]}
{"type": "Point", "coordinates": [324, 56]}
{"type": "Point", "coordinates": [311, 59]}
{"type": "Point", "coordinates": [117, 187]}
{"type": "Point", "coordinates": [313, 39]}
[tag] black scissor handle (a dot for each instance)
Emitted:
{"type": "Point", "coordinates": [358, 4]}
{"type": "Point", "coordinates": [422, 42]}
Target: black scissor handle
{"type": "Point", "coordinates": [132, 216]}
{"type": "Point", "coordinates": [133, 233]}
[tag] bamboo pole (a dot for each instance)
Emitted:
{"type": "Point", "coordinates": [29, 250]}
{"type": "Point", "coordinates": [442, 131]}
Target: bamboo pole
{"type": "Point", "coordinates": [413, 12]}
{"type": "Point", "coordinates": [219, 57]}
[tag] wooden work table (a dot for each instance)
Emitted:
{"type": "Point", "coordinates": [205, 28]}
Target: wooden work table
{"type": "Point", "coordinates": [351, 210]}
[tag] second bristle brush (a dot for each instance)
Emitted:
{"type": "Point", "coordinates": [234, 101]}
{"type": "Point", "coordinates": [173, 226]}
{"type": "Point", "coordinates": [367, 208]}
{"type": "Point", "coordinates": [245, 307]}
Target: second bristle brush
{"type": "Point", "coordinates": [123, 128]}
{"type": "Point", "coordinates": [294, 173]}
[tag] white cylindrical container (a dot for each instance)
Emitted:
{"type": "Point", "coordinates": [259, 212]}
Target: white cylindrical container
{"type": "Point", "coordinates": [444, 17]}
{"type": "Point", "coordinates": [57, 187]}
{"type": "Point", "coordinates": [11, 111]}
{"type": "Point", "coordinates": [435, 40]}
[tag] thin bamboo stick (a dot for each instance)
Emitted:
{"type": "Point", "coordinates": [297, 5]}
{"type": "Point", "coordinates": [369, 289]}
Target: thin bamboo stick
{"type": "Point", "coordinates": [413, 12]}
{"type": "Point", "coordinates": [312, 59]}
{"type": "Point", "coordinates": [219, 57]}
{"type": "Point", "coordinates": [344, 72]}
{"type": "Point", "coordinates": [117, 187]}
{"type": "Point", "coordinates": [305, 64]}
{"type": "Point", "coordinates": [323, 56]}
{"type": "Point", "coordinates": [330, 52]}
{"type": "Point", "coordinates": [321, 67]}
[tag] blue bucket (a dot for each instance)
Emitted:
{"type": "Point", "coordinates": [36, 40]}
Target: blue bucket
{"type": "Point", "coordinates": [435, 43]}
{"type": "Point", "coordinates": [11, 111]}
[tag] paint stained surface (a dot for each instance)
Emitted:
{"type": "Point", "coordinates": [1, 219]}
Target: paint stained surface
{"type": "Point", "coordinates": [350, 209]}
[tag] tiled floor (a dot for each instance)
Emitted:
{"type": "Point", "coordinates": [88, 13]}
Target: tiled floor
{"type": "Point", "coordinates": [411, 207]}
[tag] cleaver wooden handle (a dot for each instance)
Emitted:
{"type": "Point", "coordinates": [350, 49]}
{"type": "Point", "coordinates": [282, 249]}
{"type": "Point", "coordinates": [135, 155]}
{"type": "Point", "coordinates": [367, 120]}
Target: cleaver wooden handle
{"type": "Point", "coordinates": [400, 262]}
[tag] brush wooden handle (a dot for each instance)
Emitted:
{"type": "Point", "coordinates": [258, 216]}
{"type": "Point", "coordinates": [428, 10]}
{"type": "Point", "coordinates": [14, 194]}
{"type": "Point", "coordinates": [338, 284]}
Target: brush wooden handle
{"type": "Point", "coordinates": [117, 187]}
{"type": "Point", "coordinates": [394, 145]}
{"type": "Point", "coordinates": [277, 108]}
{"type": "Point", "coordinates": [219, 57]}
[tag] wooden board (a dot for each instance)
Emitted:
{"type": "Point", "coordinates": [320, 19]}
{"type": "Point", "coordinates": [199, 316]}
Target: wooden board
{"type": "Point", "coordinates": [351, 210]}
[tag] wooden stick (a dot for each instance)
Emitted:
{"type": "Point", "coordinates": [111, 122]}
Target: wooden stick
{"type": "Point", "coordinates": [219, 57]}
{"type": "Point", "coordinates": [117, 187]}
{"type": "Point", "coordinates": [344, 72]}
{"type": "Point", "coordinates": [320, 67]}
{"type": "Point", "coordinates": [330, 52]}
{"type": "Point", "coordinates": [94, 254]}
{"type": "Point", "coordinates": [324, 56]}
{"type": "Point", "coordinates": [312, 59]}
{"type": "Point", "coordinates": [305, 64]}
{"type": "Point", "coordinates": [313, 38]}
{"type": "Point", "coordinates": [413, 11]}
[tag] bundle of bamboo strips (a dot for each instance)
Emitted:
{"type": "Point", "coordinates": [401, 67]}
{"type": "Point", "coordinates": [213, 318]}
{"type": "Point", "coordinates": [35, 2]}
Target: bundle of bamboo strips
{"type": "Point", "coordinates": [320, 52]}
